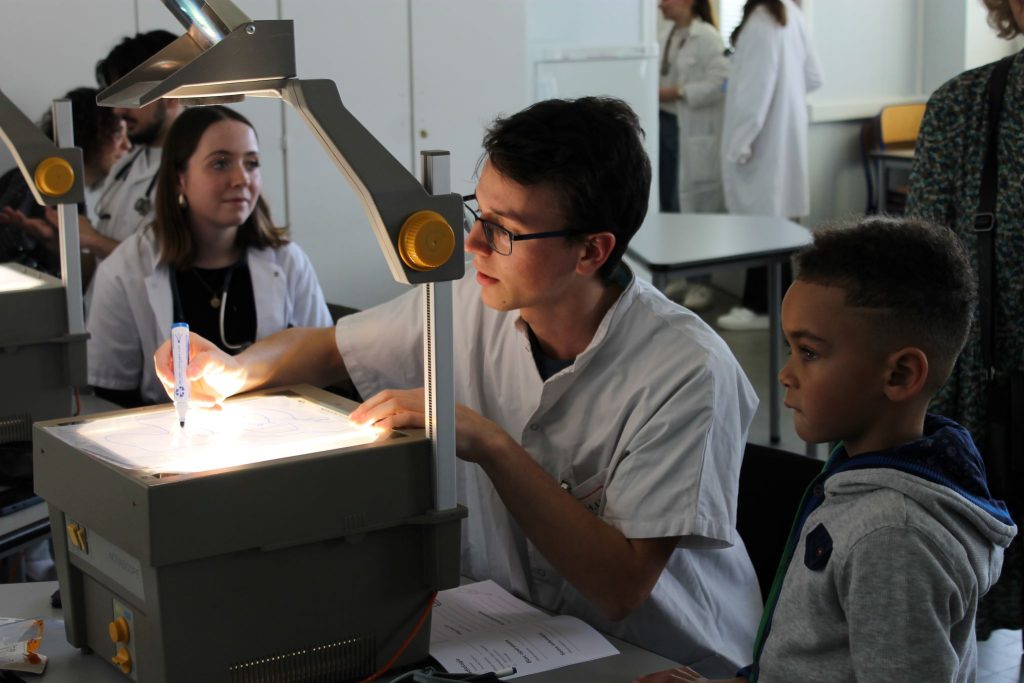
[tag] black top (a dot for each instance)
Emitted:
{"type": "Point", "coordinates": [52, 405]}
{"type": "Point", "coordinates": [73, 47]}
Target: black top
{"type": "Point", "coordinates": [546, 365]}
{"type": "Point", "coordinates": [200, 294]}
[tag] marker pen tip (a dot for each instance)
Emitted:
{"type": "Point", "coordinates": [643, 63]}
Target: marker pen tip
{"type": "Point", "coordinates": [182, 423]}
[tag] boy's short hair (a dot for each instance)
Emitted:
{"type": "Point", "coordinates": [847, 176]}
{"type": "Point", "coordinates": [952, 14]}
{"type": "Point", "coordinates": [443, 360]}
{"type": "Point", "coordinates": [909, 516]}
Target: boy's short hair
{"type": "Point", "coordinates": [590, 151]}
{"type": "Point", "coordinates": [916, 274]}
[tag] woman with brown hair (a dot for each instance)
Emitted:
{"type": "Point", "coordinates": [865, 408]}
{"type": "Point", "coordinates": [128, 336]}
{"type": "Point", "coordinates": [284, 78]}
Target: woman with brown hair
{"type": "Point", "coordinates": [212, 258]}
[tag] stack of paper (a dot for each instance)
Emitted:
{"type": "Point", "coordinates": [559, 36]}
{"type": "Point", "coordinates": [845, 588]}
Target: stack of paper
{"type": "Point", "coordinates": [481, 627]}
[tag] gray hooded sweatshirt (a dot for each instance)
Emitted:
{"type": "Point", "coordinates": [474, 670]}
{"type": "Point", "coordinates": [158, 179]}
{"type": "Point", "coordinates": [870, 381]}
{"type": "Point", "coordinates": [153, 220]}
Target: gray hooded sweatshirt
{"type": "Point", "coordinates": [884, 568]}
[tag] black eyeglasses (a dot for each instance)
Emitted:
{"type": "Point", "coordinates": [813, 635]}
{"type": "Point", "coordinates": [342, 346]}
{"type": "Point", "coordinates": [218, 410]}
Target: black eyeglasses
{"type": "Point", "coordinates": [500, 238]}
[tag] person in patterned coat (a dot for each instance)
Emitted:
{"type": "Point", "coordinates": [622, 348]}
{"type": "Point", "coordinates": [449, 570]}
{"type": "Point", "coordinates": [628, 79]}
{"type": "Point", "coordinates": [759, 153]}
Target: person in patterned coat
{"type": "Point", "coordinates": [944, 188]}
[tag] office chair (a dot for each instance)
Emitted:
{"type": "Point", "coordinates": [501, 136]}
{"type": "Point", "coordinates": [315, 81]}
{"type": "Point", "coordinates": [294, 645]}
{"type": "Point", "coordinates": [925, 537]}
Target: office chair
{"type": "Point", "coordinates": [772, 482]}
{"type": "Point", "coordinates": [895, 127]}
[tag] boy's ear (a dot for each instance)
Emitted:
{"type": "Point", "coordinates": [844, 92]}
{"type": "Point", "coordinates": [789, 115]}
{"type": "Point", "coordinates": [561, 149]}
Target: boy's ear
{"type": "Point", "coordinates": [906, 374]}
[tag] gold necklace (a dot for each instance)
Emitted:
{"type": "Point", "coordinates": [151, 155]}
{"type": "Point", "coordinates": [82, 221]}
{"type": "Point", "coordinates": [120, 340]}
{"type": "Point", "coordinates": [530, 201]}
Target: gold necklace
{"type": "Point", "coordinates": [214, 296]}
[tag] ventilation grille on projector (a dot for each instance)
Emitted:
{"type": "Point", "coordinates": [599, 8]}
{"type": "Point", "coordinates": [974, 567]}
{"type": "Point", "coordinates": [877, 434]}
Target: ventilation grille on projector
{"type": "Point", "coordinates": [15, 428]}
{"type": "Point", "coordinates": [330, 663]}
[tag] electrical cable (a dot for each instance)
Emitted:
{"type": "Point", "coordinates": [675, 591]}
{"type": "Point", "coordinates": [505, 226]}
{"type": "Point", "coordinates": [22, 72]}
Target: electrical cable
{"type": "Point", "coordinates": [402, 648]}
{"type": "Point", "coordinates": [430, 675]}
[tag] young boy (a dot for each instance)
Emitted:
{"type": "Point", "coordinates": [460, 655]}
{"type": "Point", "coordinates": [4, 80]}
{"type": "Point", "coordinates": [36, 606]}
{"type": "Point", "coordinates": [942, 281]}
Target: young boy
{"type": "Point", "coordinates": [898, 537]}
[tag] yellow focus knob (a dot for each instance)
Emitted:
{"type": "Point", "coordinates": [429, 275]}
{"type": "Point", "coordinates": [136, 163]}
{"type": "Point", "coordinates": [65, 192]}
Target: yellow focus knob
{"type": "Point", "coordinates": [118, 630]}
{"type": "Point", "coordinates": [54, 176]}
{"type": "Point", "coordinates": [123, 660]}
{"type": "Point", "coordinates": [426, 241]}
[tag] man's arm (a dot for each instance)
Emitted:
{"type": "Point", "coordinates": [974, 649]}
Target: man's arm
{"type": "Point", "coordinates": [299, 355]}
{"type": "Point", "coordinates": [613, 572]}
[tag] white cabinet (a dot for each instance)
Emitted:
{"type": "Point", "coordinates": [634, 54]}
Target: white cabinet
{"type": "Point", "coordinates": [364, 48]}
{"type": "Point", "coordinates": [469, 64]}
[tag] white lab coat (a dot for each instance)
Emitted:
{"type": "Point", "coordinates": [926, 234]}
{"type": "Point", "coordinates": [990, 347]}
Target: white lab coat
{"type": "Point", "coordinates": [699, 68]}
{"type": "Point", "coordinates": [117, 210]}
{"type": "Point", "coordinates": [764, 145]}
{"type": "Point", "coordinates": [646, 428]}
{"type": "Point", "coordinates": [132, 308]}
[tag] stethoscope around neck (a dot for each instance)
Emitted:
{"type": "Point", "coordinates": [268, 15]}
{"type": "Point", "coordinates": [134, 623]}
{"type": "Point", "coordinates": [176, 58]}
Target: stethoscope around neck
{"type": "Point", "coordinates": [179, 311]}
{"type": "Point", "coordinates": [144, 204]}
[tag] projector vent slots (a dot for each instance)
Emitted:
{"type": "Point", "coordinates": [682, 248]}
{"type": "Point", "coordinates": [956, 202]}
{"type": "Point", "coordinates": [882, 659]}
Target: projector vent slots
{"type": "Point", "coordinates": [329, 663]}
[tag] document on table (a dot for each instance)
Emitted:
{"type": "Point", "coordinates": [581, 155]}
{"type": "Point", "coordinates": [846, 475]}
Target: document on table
{"type": "Point", "coordinates": [480, 627]}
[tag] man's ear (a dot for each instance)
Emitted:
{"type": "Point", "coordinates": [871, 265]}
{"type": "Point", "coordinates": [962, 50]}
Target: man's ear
{"type": "Point", "coordinates": [596, 250]}
{"type": "Point", "coordinates": [906, 374]}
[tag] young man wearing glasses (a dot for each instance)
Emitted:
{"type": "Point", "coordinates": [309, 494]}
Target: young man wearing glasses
{"type": "Point", "coordinates": [600, 426]}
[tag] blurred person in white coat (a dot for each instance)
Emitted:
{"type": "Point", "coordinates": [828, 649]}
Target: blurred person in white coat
{"type": "Point", "coordinates": [764, 143]}
{"type": "Point", "coordinates": [691, 93]}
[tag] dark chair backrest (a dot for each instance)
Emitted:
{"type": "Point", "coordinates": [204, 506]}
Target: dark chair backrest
{"type": "Point", "coordinates": [772, 482]}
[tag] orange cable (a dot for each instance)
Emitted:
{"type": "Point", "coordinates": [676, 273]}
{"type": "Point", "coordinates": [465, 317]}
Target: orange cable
{"type": "Point", "coordinates": [416, 629]}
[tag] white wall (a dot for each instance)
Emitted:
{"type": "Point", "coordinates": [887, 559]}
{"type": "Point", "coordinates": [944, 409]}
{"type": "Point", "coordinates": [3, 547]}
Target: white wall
{"type": "Point", "coordinates": [867, 64]}
{"type": "Point", "coordinates": [432, 73]}
{"type": "Point", "coordinates": [868, 50]}
{"type": "Point", "coordinates": [46, 59]}
{"type": "Point", "coordinates": [419, 74]}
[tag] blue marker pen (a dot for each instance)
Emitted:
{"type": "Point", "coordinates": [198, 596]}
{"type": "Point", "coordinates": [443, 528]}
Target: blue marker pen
{"type": "Point", "coordinates": [179, 355]}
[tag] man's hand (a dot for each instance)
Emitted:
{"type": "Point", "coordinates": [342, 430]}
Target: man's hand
{"type": "Point", "coordinates": [214, 375]}
{"type": "Point", "coordinates": [670, 94]}
{"type": "Point", "coordinates": [88, 237]}
{"type": "Point", "coordinates": [394, 408]}
{"type": "Point", "coordinates": [683, 674]}
{"type": "Point", "coordinates": [41, 230]}
{"type": "Point", "coordinates": [615, 573]}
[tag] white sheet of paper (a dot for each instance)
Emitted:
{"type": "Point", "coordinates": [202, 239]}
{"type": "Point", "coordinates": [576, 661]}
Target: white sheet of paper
{"type": "Point", "coordinates": [245, 430]}
{"type": "Point", "coordinates": [480, 627]}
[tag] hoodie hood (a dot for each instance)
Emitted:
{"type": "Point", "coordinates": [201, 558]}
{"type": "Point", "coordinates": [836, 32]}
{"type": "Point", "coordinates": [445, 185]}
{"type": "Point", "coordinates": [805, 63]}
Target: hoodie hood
{"type": "Point", "coordinates": [944, 473]}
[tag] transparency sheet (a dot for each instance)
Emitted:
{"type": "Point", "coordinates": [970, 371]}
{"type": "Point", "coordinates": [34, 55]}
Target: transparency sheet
{"type": "Point", "coordinates": [243, 431]}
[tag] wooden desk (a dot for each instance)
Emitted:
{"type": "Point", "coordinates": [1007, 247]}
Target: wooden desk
{"type": "Point", "coordinates": [886, 160]}
{"type": "Point", "coordinates": [68, 665]}
{"type": "Point", "coordinates": [682, 244]}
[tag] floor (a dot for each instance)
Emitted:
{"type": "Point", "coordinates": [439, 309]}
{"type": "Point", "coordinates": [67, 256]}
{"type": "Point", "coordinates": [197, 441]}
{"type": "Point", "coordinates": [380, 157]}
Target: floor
{"type": "Point", "coordinates": [999, 657]}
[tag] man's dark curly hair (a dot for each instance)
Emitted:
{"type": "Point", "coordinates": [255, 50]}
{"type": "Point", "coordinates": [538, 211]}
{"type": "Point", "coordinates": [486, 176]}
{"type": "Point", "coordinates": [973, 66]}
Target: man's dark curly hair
{"type": "Point", "coordinates": [129, 53]}
{"type": "Point", "coordinates": [590, 151]}
{"type": "Point", "coordinates": [94, 126]}
{"type": "Point", "coordinates": [915, 274]}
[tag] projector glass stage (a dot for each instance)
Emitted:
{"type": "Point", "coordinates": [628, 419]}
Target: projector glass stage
{"type": "Point", "coordinates": [245, 430]}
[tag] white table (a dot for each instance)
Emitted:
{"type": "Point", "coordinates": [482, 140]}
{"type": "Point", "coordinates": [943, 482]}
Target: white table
{"type": "Point", "coordinates": [69, 665]}
{"type": "Point", "coordinates": [686, 244]}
